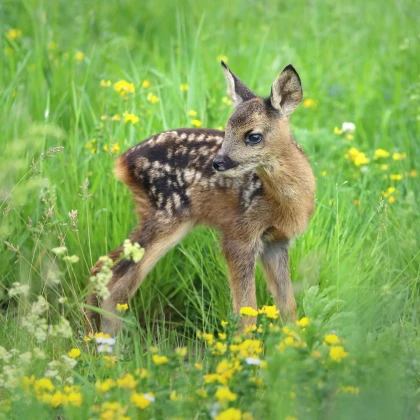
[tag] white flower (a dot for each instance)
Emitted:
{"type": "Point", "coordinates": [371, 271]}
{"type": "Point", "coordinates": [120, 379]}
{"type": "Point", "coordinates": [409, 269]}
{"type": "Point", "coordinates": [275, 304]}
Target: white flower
{"type": "Point", "coordinates": [71, 259]}
{"type": "Point", "coordinates": [63, 329]}
{"type": "Point", "coordinates": [348, 127]}
{"type": "Point", "coordinates": [68, 362]}
{"type": "Point", "coordinates": [109, 341]}
{"type": "Point", "coordinates": [105, 348]}
{"type": "Point", "coordinates": [253, 361]}
{"type": "Point", "coordinates": [4, 354]}
{"type": "Point", "coordinates": [25, 358]}
{"type": "Point", "coordinates": [149, 397]}
{"type": "Point", "coordinates": [18, 289]}
{"type": "Point", "coordinates": [132, 251]}
{"type": "Point", "coordinates": [60, 250]}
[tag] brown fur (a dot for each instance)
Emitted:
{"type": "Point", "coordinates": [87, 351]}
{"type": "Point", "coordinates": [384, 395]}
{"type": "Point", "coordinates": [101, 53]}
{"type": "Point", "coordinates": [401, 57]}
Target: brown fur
{"type": "Point", "coordinates": [259, 203]}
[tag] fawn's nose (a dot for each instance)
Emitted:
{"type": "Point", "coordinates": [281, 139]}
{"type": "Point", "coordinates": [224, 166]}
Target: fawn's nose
{"type": "Point", "coordinates": [219, 164]}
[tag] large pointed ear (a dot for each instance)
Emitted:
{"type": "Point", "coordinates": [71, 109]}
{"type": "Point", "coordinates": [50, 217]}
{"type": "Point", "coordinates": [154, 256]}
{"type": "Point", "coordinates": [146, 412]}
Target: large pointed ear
{"type": "Point", "coordinates": [286, 92]}
{"type": "Point", "coordinates": [237, 90]}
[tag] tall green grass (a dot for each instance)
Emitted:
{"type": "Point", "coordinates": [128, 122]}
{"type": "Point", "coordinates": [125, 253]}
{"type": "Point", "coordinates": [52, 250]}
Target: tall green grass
{"type": "Point", "coordinates": [358, 61]}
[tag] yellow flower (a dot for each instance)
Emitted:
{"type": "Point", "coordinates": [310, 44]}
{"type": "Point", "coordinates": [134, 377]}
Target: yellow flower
{"type": "Point", "coordinates": [192, 113]}
{"type": "Point", "coordinates": [388, 192]}
{"type": "Point", "coordinates": [159, 360]}
{"type": "Point", "coordinates": [154, 349]}
{"type": "Point", "coordinates": [219, 348]}
{"type": "Point", "coordinates": [152, 98]}
{"type": "Point", "coordinates": [198, 366]}
{"type": "Point", "coordinates": [141, 400]}
{"type": "Point", "coordinates": [201, 392]}
{"type": "Point", "coordinates": [196, 123]}
{"type": "Point", "coordinates": [13, 34]}
{"type": "Point", "coordinates": [184, 87]}
{"type": "Point", "coordinates": [104, 117]}
{"type": "Point", "coordinates": [361, 159]}
{"type": "Point", "coordinates": [145, 84]}
{"type": "Point", "coordinates": [104, 386]}
{"type": "Point", "coordinates": [79, 56]}
{"type": "Point", "coordinates": [384, 166]}
{"type": "Point", "coordinates": [209, 338]}
{"type": "Point", "coordinates": [130, 118]}
{"type": "Point", "coordinates": [127, 382]}
{"type": "Point", "coordinates": [174, 396]}
{"type": "Point", "coordinates": [116, 117]}
{"type": "Point", "coordinates": [74, 353]}
{"type": "Point", "coordinates": [413, 173]}
{"type": "Point", "coordinates": [112, 360]}
{"type": "Point", "coordinates": [399, 156]}
{"type": "Point", "coordinates": [124, 88]}
{"type": "Point", "coordinates": [331, 339]}
{"type": "Point", "coordinates": [229, 414]}
{"type": "Point", "coordinates": [396, 177]}
{"type": "Point", "coordinates": [43, 384]}
{"type": "Point", "coordinates": [337, 353]}
{"type": "Point", "coordinates": [142, 373]}
{"type": "Point", "coordinates": [181, 351]}
{"type": "Point", "coordinates": [248, 311]}
{"type": "Point", "coordinates": [225, 394]}
{"type": "Point", "coordinates": [222, 336]}
{"type": "Point", "coordinates": [250, 328]}
{"type": "Point", "coordinates": [115, 148]}
{"type": "Point", "coordinates": [57, 399]}
{"type": "Point", "coordinates": [75, 399]}
{"type": "Point", "coordinates": [270, 311]}
{"type": "Point", "coordinates": [310, 103]}
{"type": "Point", "coordinates": [105, 147]}
{"type": "Point", "coordinates": [226, 100]}
{"type": "Point", "coordinates": [381, 153]}
{"type": "Point", "coordinates": [106, 83]}
{"type": "Point", "coordinates": [391, 199]}
{"type": "Point", "coordinates": [303, 322]}
{"type": "Point", "coordinates": [222, 57]}
{"type": "Point", "coordinates": [350, 390]}
{"type": "Point", "coordinates": [122, 307]}
{"type": "Point", "coordinates": [337, 130]}
{"type": "Point", "coordinates": [224, 323]}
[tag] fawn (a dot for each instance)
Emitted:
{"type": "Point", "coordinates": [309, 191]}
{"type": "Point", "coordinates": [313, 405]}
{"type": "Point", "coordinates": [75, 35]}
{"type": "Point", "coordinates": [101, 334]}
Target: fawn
{"type": "Point", "coordinates": [252, 182]}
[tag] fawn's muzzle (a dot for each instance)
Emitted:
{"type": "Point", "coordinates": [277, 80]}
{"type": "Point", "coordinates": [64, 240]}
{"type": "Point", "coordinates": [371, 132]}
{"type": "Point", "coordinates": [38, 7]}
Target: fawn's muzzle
{"type": "Point", "coordinates": [223, 163]}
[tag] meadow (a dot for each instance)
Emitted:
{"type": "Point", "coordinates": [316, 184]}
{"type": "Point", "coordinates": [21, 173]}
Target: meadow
{"type": "Point", "coordinates": [81, 82]}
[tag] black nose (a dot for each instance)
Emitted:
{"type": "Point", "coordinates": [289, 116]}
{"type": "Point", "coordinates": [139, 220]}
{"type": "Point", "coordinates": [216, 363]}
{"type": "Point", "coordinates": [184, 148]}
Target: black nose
{"type": "Point", "coordinates": [219, 164]}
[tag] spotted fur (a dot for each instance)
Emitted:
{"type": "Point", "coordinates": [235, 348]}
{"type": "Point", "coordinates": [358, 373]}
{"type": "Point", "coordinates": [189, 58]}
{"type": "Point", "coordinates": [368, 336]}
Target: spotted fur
{"type": "Point", "coordinates": [261, 200]}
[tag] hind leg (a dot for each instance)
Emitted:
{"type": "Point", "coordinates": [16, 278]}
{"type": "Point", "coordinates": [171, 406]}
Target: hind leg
{"type": "Point", "coordinates": [156, 237]}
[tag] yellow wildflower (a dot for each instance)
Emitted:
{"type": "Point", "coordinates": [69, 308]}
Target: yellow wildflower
{"type": "Point", "coordinates": [219, 348]}
{"type": "Point", "coordinates": [142, 400]}
{"type": "Point", "coordinates": [105, 147]}
{"type": "Point", "coordinates": [310, 103]}
{"type": "Point", "coordinates": [269, 311]}
{"type": "Point", "coordinates": [74, 353]}
{"type": "Point", "coordinates": [214, 377]}
{"type": "Point", "coordinates": [152, 98]}
{"type": "Point", "coordinates": [106, 83]}
{"type": "Point", "coordinates": [226, 100]}
{"type": "Point", "coordinates": [399, 156]}
{"type": "Point", "coordinates": [192, 113]}
{"type": "Point", "coordinates": [127, 382]}
{"type": "Point", "coordinates": [391, 199]}
{"type": "Point", "coordinates": [104, 117]}
{"type": "Point", "coordinates": [142, 373]}
{"type": "Point", "coordinates": [123, 87]}
{"type": "Point", "coordinates": [248, 311]}
{"type": "Point", "coordinates": [154, 349]}
{"type": "Point", "coordinates": [91, 145]}
{"type": "Point", "coordinates": [57, 399]}
{"type": "Point", "coordinates": [225, 394]}
{"type": "Point", "coordinates": [184, 87]}
{"type": "Point", "coordinates": [13, 34]}
{"type": "Point", "coordinates": [331, 339]}
{"type": "Point", "coordinates": [361, 159]}
{"type": "Point", "coordinates": [198, 366]}
{"type": "Point", "coordinates": [105, 386]}
{"type": "Point", "coordinates": [86, 339]}
{"type": "Point", "coordinates": [323, 173]}
{"type": "Point", "coordinates": [229, 414]}
{"type": "Point", "coordinates": [413, 173]}
{"type": "Point", "coordinates": [250, 328]}
{"type": "Point", "coordinates": [196, 123]}
{"type": "Point", "coordinates": [224, 323]}
{"type": "Point", "coordinates": [201, 392]}
{"type": "Point", "coordinates": [181, 351]}
{"type": "Point", "coordinates": [384, 166]}
{"type": "Point", "coordinates": [381, 153]}
{"type": "Point", "coordinates": [122, 307]}
{"type": "Point", "coordinates": [350, 390]}
{"type": "Point", "coordinates": [43, 384]}
{"type": "Point", "coordinates": [337, 130]}
{"type": "Point", "coordinates": [79, 56]}
{"type": "Point", "coordinates": [130, 118]}
{"type": "Point", "coordinates": [388, 192]}
{"type": "Point", "coordinates": [115, 148]}
{"type": "Point", "coordinates": [222, 336]}
{"type": "Point", "coordinates": [145, 84]}
{"type": "Point", "coordinates": [303, 322]}
{"type": "Point", "coordinates": [159, 360]}
{"type": "Point", "coordinates": [112, 360]}
{"type": "Point", "coordinates": [75, 399]}
{"type": "Point", "coordinates": [396, 177]}
{"type": "Point", "coordinates": [337, 353]}
{"type": "Point", "coordinates": [222, 57]}
{"type": "Point", "coordinates": [209, 338]}
{"type": "Point", "coordinates": [116, 117]}
{"type": "Point", "coordinates": [174, 396]}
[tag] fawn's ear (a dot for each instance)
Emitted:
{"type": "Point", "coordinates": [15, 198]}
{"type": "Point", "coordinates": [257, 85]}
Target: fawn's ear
{"type": "Point", "coordinates": [286, 92]}
{"type": "Point", "coordinates": [237, 90]}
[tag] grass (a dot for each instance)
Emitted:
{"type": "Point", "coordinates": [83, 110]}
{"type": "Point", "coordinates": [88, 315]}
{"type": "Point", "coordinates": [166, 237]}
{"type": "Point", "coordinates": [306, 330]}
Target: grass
{"type": "Point", "coordinates": [355, 270]}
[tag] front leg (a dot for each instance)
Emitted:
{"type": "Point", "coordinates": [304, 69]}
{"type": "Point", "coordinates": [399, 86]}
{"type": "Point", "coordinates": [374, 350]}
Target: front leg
{"type": "Point", "coordinates": [241, 260]}
{"type": "Point", "coordinates": [275, 260]}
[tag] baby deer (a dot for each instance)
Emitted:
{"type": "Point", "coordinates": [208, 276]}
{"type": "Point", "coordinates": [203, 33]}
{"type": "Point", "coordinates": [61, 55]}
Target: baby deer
{"type": "Point", "coordinates": [252, 182]}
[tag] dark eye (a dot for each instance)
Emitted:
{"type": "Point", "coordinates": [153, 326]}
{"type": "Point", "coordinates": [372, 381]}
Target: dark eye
{"type": "Point", "coordinates": [254, 138]}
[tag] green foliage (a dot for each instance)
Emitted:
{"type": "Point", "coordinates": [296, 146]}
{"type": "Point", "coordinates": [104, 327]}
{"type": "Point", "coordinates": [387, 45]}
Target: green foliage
{"type": "Point", "coordinates": [355, 270]}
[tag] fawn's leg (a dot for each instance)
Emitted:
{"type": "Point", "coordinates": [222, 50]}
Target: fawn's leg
{"type": "Point", "coordinates": [156, 237]}
{"type": "Point", "coordinates": [275, 260]}
{"type": "Point", "coordinates": [241, 258]}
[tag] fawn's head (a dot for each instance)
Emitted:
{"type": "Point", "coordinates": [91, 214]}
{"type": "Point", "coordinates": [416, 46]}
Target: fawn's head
{"type": "Point", "coordinates": [258, 127]}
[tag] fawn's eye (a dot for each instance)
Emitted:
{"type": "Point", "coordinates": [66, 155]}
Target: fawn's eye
{"type": "Point", "coordinates": [253, 138]}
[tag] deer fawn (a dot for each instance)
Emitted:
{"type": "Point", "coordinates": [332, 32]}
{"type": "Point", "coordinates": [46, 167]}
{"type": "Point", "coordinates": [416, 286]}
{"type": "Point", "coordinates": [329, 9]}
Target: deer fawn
{"type": "Point", "coordinates": [252, 182]}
